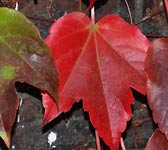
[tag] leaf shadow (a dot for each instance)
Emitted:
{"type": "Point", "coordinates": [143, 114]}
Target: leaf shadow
{"type": "Point", "coordinates": [66, 116]}
{"type": "Point", "coordinates": [140, 121]}
{"type": "Point", "coordinates": [2, 145]}
{"type": "Point", "coordinates": [75, 123]}
{"type": "Point", "coordinates": [28, 89]}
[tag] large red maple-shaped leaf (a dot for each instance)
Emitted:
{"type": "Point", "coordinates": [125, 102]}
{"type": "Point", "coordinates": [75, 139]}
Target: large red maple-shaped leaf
{"type": "Point", "coordinates": [157, 73]}
{"type": "Point", "coordinates": [98, 63]}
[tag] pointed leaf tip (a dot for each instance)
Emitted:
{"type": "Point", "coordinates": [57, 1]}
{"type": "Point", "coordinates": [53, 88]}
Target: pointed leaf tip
{"type": "Point", "coordinates": [157, 141]}
{"type": "Point", "coordinates": [92, 2]}
{"type": "Point", "coordinates": [3, 134]}
{"type": "Point", "coordinates": [51, 108]}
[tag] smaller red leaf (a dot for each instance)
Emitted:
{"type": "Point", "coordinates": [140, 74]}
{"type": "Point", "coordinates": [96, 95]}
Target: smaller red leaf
{"type": "Point", "coordinates": [51, 109]}
{"type": "Point", "coordinates": [91, 4]}
{"type": "Point", "coordinates": [157, 141]}
{"type": "Point", "coordinates": [156, 66]}
{"type": "Point", "coordinates": [166, 5]}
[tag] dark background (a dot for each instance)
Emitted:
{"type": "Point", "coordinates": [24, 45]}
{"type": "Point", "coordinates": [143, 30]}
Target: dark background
{"type": "Point", "coordinates": [73, 129]}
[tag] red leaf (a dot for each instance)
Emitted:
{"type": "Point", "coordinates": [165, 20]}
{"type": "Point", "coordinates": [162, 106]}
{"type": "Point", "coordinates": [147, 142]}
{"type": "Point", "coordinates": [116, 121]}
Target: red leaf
{"type": "Point", "coordinates": [51, 108]}
{"type": "Point", "coordinates": [166, 5]}
{"type": "Point", "coordinates": [91, 4]}
{"type": "Point", "coordinates": [99, 63]}
{"type": "Point", "coordinates": [157, 72]}
{"type": "Point", "coordinates": [157, 141]}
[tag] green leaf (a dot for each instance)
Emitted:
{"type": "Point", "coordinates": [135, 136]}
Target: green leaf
{"type": "Point", "coordinates": [24, 57]}
{"type": "Point", "coordinates": [7, 72]}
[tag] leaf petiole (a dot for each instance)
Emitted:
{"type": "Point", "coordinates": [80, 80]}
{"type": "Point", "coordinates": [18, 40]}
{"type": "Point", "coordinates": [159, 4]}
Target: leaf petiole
{"type": "Point", "coordinates": [93, 15]}
{"type": "Point", "coordinates": [97, 140]}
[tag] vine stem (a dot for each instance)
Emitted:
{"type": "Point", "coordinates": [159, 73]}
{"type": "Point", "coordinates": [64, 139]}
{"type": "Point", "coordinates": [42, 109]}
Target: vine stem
{"type": "Point", "coordinates": [129, 11]}
{"type": "Point", "coordinates": [80, 5]}
{"type": "Point", "coordinates": [149, 16]}
{"type": "Point", "coordinates": [122, 144]}
{"type": "Point", "coordinates": [17, 6]}
{"type": "Point", "coordinates": [155, 35]}
{"type": "Point", "coordinates": [93, 15]}
{"type": "Point", "coordinates": [51, 9]}
{"type": "Point", "coordinates": [41, 19]}
{"type": "Point", "coordinates": [97, 140]}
